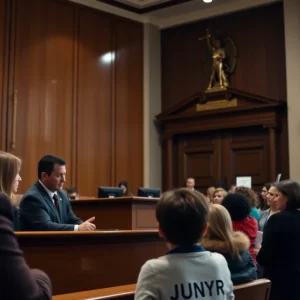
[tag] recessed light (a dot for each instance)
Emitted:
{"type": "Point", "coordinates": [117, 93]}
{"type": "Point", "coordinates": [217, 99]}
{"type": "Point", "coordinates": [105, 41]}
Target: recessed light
{"type": "Point", "coordinates": [207, 1]}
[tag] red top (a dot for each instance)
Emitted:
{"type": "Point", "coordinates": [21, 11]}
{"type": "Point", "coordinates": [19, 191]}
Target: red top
{"type": "Point", "coordinates": [250, 227]}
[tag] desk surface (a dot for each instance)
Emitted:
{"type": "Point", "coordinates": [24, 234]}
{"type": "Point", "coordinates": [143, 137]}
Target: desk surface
{"type": "Point", "coordinates": [84, 200]}
{"type": "Point", "coordinates": [81, 261]}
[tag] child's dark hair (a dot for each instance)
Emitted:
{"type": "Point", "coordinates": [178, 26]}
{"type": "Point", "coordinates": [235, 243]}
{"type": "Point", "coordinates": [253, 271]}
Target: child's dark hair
{"type": "Point", "coordinates": [182, 215]}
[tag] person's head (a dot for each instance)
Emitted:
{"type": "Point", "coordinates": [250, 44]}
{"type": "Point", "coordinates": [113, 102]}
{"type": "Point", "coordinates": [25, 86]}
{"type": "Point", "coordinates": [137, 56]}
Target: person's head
{"type": "Point", "coordinates": [232, 188]}
{"type": "Point", "coordinates": [190, 182]}
{"type": "Point", "coordinates": [182, 216]}
{"type": "Point", "coordinates": [237, 205]}
{"type": "Point", "coordinates": [288, 195]}
{"type": "Point", "coordinates": [72, 192]}
{"type": "Point", "coordinates": [124, 186]}
{"type": "Point", "coordinates": [210, 193]}
{"type": "Point", "coordinates": [261, 202]}
{"type": "Point", "coordinates": [249, 193]}
{"type": "Point", "coordinates": [219, 195]}
{"type": "Point", "coordinates": [52, 172]}
{"type": "Point", "coordinates": [271, 196]}
{"type": "Point", "coordinates": [10, 167]}
{"type": "Point", "coordinates": [220, 228]}
{"type": "Point", "coordinates": [265, 190]}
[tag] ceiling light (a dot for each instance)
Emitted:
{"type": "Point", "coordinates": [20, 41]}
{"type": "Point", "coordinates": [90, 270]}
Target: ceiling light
{"type": "Point", "coordinates": [207, 1]}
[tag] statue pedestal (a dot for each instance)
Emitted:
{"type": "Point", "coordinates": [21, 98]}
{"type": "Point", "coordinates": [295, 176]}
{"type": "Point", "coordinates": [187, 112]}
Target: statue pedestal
{"type": "Point", "coordinates": [216, 93]}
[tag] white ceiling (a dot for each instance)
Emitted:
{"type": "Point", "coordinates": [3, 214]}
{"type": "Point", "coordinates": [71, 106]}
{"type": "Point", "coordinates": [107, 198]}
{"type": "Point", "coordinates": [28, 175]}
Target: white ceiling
{"type": "Point", "coordinates": [177, 14]}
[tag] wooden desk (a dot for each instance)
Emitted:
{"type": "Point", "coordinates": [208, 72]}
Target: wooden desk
{"type": "Point", "coordinates": [124, 213]}
{"type": "Point", "coordinates": [81, 261]}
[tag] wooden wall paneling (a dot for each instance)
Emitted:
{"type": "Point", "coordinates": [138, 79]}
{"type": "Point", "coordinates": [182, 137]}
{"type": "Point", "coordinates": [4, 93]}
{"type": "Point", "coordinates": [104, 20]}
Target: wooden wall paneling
{"type": "Point", "coordinates": [5, 12]}
{"type": "Point", "coordinates": [129, 103]}
{"type": "Point", "coordinates": [259, 37]}
{"type": "Point", "coordinates": [40, 93]}
{"type": "Point", "coordinates": [94, 101]}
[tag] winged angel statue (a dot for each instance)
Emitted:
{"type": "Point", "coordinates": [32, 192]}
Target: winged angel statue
{"type": "Point", "coordinates": [223, 60]}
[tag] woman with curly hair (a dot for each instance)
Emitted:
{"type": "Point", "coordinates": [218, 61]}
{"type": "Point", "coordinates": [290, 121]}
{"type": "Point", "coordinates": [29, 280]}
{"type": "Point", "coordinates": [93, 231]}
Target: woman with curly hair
{"type": "Point", "coordinates": [239, 209]}
{"type": "Point", "coordinates": [252, 198]}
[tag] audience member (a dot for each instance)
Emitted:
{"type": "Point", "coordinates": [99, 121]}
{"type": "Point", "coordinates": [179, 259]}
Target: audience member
{"type": "Point", "coordinates": [187, 270]}
{"type": "Point", "coordinates": [210, 193]}
{"type": "Point", "coordinates": [261, 203]}
{"type": "Point", "coordinates": [239, 209]}
{"type": "Point", "coordinates": [279, 254]}
{"type": "Point", "coordinates": [271, 202]}
{"type": "Point", "coordinates": [264, 193]}
{"type": "Point", "coordinates": [17, 281]}
{"type": "Point", "coordinates": [125, 187]}
{"type": "Point", "coordinates": [45, 206]}
{"type": "Point", "coordinates": [252, 198]}
{"type": "Point", "coordinates": [232, 188]}
{"type": "Point", "coordinates": [72, 193]}
{"type": "Point", "coordinates": [190, 183]}
{"type": "Point", "coordinates": [234, 246]}
{"type": "Point", "coordinates": [10, 167]}
{"type": "Point", "coordinates": [218, 195]}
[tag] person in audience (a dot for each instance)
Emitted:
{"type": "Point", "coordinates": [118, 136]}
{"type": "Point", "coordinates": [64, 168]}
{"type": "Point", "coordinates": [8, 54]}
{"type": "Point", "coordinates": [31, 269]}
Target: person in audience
{"type": "Point", "coordinates": [252, 198]}
{"type": "Point", "coordinates": [187, 270]}
{"type": "Point", "coordinates": [261, 203]}
{"type": "Point", "coordinates": [239, 209]}
{"type": "Point", "coordinates": [218, 195]}
{"type": "Point", "coordinates": [45, 206]}
{"type": "Point", "coordinates": [72, 193]}
{"type": "Point", "coordinates": [234, 246]}
{"type": "Point", "coordinates": [125, 187]}
{"type": "Point", "coordinates": [279, 254]}
{"type": "Point", "coordinates": [232, 188]}
{"type": "Point", "coordinates": [10, 167]}
{"type": "Point", "coordinates": [190, 183]}
{"type": "Point", "coordinates": [264, 193]}
{"type": "Point", "coordinates": [266, 214]}
{"type": "Point", "coordinates": [210, 193]}
{"type": "Point", "coordinates": [17, 281]}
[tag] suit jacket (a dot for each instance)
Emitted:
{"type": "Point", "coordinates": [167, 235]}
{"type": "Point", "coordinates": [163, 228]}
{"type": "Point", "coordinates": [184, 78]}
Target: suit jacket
{"type": "Point", "coordinates": [37, 211]}
{"type": "Point", "coordinates": [17, 281]}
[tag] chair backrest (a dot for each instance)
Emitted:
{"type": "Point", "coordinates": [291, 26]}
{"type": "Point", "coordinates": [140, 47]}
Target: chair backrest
{"type": "Point", "coordinates": [257, 289]}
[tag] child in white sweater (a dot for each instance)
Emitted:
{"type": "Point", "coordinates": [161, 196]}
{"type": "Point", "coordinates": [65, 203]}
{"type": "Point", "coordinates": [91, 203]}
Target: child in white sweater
{"type": "Point", "coordinates": [187, 271]}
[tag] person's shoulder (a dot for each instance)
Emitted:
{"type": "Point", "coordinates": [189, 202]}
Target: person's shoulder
{"type": "Point", "coordinates": [63, 195]}
{"type": "Point", "coordinates": [5, 207]}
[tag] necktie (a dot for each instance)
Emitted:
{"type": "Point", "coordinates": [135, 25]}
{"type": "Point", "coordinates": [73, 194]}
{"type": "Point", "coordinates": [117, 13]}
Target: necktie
{"type": "Point", "coordinates": [56, 200]}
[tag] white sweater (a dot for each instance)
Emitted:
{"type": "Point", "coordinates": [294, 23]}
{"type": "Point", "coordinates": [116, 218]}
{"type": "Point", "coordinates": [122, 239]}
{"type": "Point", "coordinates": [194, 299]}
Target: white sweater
{"type": "Point", "coordinates": [181, 276]}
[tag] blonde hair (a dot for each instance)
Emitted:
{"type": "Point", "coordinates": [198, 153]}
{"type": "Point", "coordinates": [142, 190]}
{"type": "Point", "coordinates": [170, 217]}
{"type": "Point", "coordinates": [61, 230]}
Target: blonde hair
{"type": "Point", "coordinates": [10, 166]}
{"type": "Point", "coordinates": [221, 190]}
{"type": "Point", "coordinates": [220, 228]}
{"type": "Point", "coordinates": [211, 190]}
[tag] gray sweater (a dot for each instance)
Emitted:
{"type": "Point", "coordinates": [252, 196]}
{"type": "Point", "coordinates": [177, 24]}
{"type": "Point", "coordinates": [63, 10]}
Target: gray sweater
{"type": "Point", "coordinates": [194, 275]}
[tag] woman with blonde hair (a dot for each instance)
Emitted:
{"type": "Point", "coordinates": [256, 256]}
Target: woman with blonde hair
{"type": "Point", "coordinates": [218, 195]}
{"type": "Point", "coordinates": [234, 246]}
{"type": "Point", "coordinates": [10, 167]}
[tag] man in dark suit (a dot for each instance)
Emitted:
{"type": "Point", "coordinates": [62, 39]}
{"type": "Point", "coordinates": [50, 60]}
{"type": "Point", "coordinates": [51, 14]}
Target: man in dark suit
{"type": "Point", "coordinates": [17, 281]}
{"type": "Point", "coordinates": [45, 206]}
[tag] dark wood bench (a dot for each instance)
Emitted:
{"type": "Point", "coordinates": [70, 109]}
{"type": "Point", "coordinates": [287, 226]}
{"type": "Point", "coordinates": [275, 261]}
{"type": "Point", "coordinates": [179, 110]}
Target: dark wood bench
{"type": "Point", "coordinates": [255, 290]}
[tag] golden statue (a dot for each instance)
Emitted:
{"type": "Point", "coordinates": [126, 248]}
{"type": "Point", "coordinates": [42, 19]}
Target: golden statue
{"type": "Point", "coordinates": [223, 61]}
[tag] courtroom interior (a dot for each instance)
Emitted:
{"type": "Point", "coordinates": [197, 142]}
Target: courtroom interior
{"type": "Point", "coordinates": [149, 149]}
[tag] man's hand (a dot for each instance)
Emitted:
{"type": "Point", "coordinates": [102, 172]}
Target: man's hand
{"type": "Point", "coordinates": [87, 225]}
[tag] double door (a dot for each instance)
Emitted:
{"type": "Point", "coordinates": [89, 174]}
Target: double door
{"type": "Point", "coordinates": [218, 157]}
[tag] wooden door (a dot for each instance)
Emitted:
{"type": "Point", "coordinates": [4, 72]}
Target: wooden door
{"type": "Point", "coordinates": [95, 135]}
{"type": "Point", "coordinates": [246, 153]}
{"type": "Point", "coordinates": [40, 95]}
{"type": "Point", "coordinates": [214, 158]}
{"type": "Point", "coordinates": [199, 156]}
